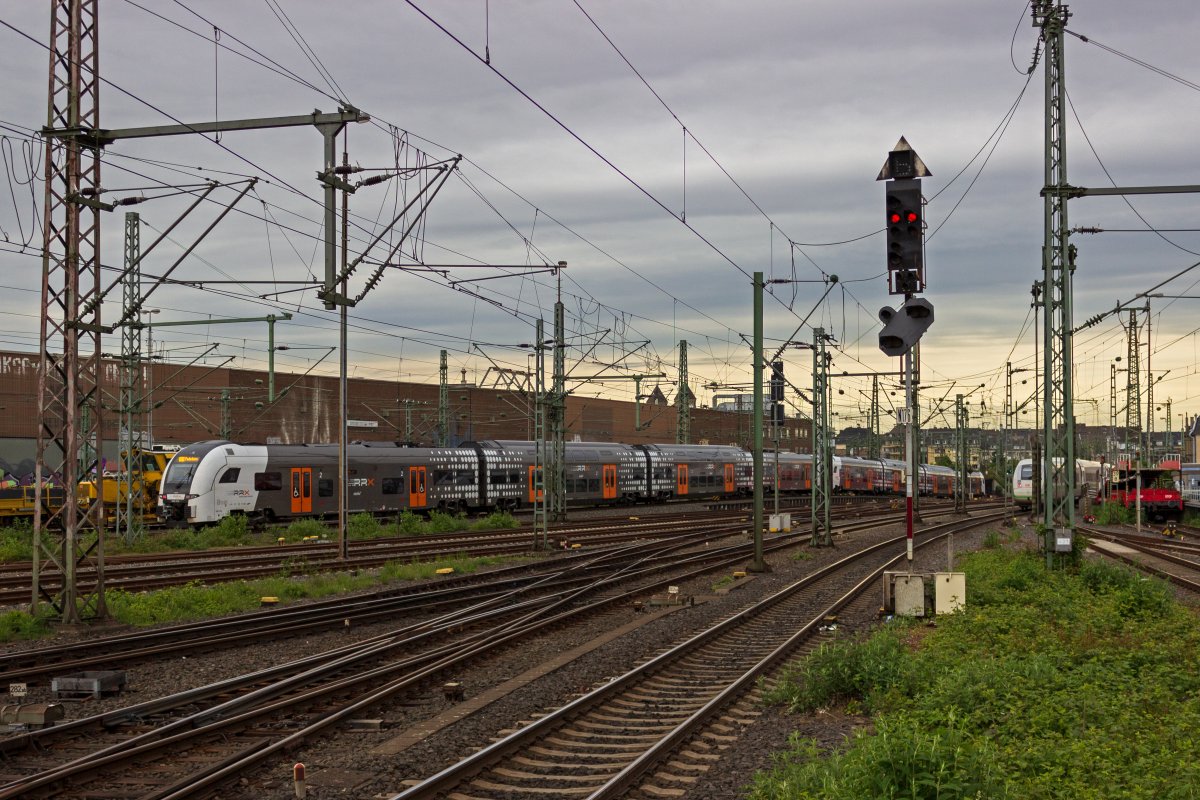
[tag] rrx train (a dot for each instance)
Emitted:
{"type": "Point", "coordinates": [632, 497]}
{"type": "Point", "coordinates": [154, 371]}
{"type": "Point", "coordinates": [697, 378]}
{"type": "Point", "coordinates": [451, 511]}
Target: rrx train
{"type": "Point", "coordinates": [207, 481]}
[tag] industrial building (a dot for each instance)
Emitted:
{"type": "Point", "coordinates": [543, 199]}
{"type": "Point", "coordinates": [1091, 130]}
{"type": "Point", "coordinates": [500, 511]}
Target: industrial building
{"type": "Point", "coordinates": [188, 404]}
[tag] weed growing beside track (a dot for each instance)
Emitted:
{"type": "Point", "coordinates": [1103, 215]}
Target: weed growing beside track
{"type": "Point", "coordinates": [232, 531]}
{"type": "Point", "coordinates": [1082, 683]}
{"type": "Point", "coordinates": [195, 601]}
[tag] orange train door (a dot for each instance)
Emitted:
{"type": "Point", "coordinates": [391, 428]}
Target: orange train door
{"type": "Point", "coordinates": [416, 487]}
{"type": "Point", "coordinates": [681, 479]}
{"type": "Point", "coordinates": [533, 487]}
{"type": "Point", "coordinates": [610, 481]}
{"type": "Point", "coordinates": [302, 490]}
{"type": "Point", "coordinates": [729, 487]}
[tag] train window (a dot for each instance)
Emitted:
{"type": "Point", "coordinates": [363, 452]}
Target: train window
{"type": "Point", "coordinates": [231, 475]}
{"type": "Point", "coordinates": [392, 485]}
{"type": "Point", "coordinates": [149, 464]}
{"type": "Point", "coordinates": [443, 477]}
{"type": "Point", "coordinates": [593, 484]}
{"type": "Point", "coordinates": [466, 477]}
{"type": "Point", "coordinates": [325, 487]}
{"type": "Point", "coordinates": [1027, 472]}
{"type": "Point", "coordinates": [268, 481]}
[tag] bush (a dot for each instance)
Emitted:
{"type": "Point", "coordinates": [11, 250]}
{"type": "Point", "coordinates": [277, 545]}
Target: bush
{"type": "Point", "coordinates": [16, 542]}
{"type": "Point", "coordinates": [1070, 683]}
{"type": "Point", "coordinates": [21, 625]}
{"type": "Point", "coordinates": [497, 520]}
{"type": "Point", "coordinates": [901, 758]}
{"type": "Point", "coordinates": [306, 527]}
{"type": "Point", "coordinates": [440, 522]}
{"type": "Point", "coordinates": [362, 526]}
{"type": "Point", "coordinates": [842, 671]}
{"type": "Point", "coordinates": [409, 524]}
{"type": "Point", "coordinates": [1114, 514]}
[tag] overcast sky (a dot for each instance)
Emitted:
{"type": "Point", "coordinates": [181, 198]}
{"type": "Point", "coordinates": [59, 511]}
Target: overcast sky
{"type": "Point", "coordinates": [797, 102]}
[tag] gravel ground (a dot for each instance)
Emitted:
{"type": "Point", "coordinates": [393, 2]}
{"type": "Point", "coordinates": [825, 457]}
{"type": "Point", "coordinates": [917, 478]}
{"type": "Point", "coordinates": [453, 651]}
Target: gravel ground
{"type": "Point", "coordinates": [344, 764]}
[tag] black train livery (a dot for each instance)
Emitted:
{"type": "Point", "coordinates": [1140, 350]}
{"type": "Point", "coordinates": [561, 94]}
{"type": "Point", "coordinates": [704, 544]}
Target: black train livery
{"type": "Point", "coordinates": [207, 481]}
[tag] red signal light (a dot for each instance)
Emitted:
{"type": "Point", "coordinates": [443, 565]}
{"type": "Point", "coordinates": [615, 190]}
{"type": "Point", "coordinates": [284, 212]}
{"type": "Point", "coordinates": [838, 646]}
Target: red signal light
{"type": "Point", "coordinates": [912, 216]}
{"type": "Point", "coordinates": [894, 217]}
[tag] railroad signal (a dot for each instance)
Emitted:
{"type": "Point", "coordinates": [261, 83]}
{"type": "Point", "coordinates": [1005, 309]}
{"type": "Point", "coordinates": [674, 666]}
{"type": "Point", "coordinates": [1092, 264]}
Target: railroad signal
{"type": "Point", "coordinates": [905, 234]}
{"type": "Point", "coordinates": [777, 392]}
{"type": "Point", "coordinates": [904, 326]}
{"type": "Point", "coordinates": [903, 216]}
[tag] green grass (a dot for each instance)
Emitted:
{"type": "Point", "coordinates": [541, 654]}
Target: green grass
{"type": "Point", "coordinates": [1114, 514]}
{"type": "Point", "coordinates": [1081, 683]}
{"type": "Point", "coordinates": [195, 601]}
{"type": "Point", "coordinates": [16, 541]}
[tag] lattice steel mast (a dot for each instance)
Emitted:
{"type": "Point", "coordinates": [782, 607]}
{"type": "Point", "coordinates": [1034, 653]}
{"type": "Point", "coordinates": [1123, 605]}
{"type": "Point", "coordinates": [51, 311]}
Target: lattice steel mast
{"type": "Point", "coordinates": [822, 462]}
{"type": "Point", "coordinates": [69, 379]}
{"type": "Point", "coordinates": [683, 408]}
{"type": "Point", "coordinates": [1058, 264]}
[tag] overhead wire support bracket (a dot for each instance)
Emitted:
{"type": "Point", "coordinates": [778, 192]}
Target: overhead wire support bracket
{"type": "Point", "coordinates": [102, 137]}
{"type": "Point", "coordinates": [1071, 192]}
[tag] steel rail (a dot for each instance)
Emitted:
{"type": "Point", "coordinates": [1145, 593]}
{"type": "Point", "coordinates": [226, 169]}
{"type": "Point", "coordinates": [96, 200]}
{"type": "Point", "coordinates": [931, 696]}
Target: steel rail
{"type": "Point", "coordinates": [459, 773]}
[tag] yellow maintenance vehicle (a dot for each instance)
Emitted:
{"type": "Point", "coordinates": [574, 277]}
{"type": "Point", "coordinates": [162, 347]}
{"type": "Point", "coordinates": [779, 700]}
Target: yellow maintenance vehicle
{"type": "Point", "coordinates": [17, 501]}
{"type": "Point", "coordinates": [143, 483]}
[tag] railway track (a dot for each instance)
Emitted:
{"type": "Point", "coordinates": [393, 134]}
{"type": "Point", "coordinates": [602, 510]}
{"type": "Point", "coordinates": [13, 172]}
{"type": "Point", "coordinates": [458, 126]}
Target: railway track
{"type": "Point", "coordinates": [272, 709]}
{"type": "Point", "coordinates": [177, 746]}
{"type": "Point", "coordinates": [31, 666]}
{"type": "Point", "coordinates": [1175, 562]}
{"type": "Point", "coordinates": [145, 572]}
{"type": "Point", "coordinates": [156, 571]}
{"type": "Point", "coordinates": [605, 743]}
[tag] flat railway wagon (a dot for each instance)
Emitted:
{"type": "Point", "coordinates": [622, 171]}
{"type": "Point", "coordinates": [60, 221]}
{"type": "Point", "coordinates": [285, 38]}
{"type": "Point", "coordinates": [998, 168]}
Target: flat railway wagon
{"type": "Point", "coordinates": [210, 480]}
{"type": "Point", "coordinates": [1090, 478]}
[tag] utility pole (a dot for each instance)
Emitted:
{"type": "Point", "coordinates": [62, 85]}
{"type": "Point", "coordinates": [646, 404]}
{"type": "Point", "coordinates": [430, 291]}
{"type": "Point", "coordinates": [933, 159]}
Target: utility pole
{"type": "Point", "coordinates": [1149, 450]}
{"type": "Point", "coordinates": [69, 377]}
{"type": "Point", "coordinates": [683, 410]}
{"type": "Point", "coordinates": [1058, 266]}
{"type": "Point", "coordinates": [759, 565]}
{"type": "Point", "coordinates": [538, 480]}
{"type": "Point", "coordinates": [1008, 415]}
{"type": "Point", "coordinates": [133, 391]}
{"type": "Point", "coordinates": [69, 380]}
{"type": "Point", "coordinates": [1112, 409]}
{"type": "Point", "coordinates": [343, 357]}
{"type": "Point", "coordinates": [874, 443]}
{"type": "Point", "coordinates": [960, 424]}
{"type": "Point", "coordinates": [557, 488]}
{"type": "Point", "coordinates": [822, 461]}
{"type": "Point", "coordinates": [443, 401]}
{"type": "Point", "coordinates": [1133, 385]}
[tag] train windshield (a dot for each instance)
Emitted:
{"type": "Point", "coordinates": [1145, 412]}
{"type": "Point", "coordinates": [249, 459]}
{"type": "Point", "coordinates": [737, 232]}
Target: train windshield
{"type": "Point", "coordinates": [177, 479]}
{"type": "Point", "coordinates": [1026, 472]}
{"type": "Point", "coordinates": [178, 476]}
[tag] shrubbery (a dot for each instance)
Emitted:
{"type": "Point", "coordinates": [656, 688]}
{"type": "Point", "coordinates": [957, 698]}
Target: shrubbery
{"type": "Point", "coordinates": [1068, 684]}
